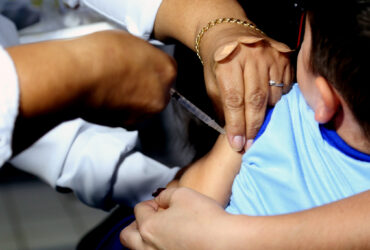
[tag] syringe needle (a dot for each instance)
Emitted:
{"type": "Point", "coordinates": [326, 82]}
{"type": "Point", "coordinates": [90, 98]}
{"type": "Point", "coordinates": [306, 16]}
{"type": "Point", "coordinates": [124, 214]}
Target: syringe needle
{"type": "Point", "coordinates": [196, 111]}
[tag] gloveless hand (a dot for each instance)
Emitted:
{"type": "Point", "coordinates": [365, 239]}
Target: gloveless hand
{"type": "Point", "coordinates": [132, 79]}
{"type": "Point", "coordinates": [239, 62]}
{"type": "Point", "coordinates": [107, 77]}
{"type": "Point", "coordinates": [175, 215]}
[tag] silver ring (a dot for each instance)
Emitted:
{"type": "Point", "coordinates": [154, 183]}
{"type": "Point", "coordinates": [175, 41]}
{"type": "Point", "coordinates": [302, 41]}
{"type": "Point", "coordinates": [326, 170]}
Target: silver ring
{"type": "Point", "coordinates": [273, 83]}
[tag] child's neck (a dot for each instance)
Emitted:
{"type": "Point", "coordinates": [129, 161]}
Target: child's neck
{"type": "Point", "coordinates": [350, 131]}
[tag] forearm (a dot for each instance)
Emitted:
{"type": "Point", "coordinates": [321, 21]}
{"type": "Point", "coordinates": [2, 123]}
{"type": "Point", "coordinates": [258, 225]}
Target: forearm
{"type": "Point", "coordinates": [49, 86]}
{"type": "Point", "coordinates": [47, 75]}
{"type": "Point", "coordinates": [213, 174]}
{"type": "Point", "coordinates": [182, 20]}
{"type": "Point", "coordinates": [340, 225]}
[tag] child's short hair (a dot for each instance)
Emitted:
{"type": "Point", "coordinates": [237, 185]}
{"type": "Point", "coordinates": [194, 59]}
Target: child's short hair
{"type": "Point", "coordinates": [341, 51]}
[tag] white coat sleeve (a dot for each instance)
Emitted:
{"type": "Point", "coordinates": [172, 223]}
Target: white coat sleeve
{"type": "Point", "coordinates": [137, 16]}
{"type": "Point", "coordinates": [99, 164]}
{"type": "Point", "coordinates": [9, 103]}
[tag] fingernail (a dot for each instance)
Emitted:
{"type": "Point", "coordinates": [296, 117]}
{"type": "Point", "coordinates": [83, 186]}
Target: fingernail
{"type": "Point", "coordinates": [238, 142]}
{"type": "Point", "coordinates": [249, 144]}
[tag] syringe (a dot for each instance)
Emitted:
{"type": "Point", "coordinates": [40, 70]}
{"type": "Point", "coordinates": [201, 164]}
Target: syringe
{"type": "Point", "coordinates": [196, 111]}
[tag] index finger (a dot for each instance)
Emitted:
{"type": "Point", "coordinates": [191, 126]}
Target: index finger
{"type": "Point", "coordinates": [231, 85]}
{"type": "Point", "coordinates": [144, 210]}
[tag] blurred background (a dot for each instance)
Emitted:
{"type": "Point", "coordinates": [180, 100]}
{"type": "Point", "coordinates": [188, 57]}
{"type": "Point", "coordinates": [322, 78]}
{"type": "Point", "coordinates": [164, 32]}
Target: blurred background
{"type": "Point", "coordinates": [33, 215]}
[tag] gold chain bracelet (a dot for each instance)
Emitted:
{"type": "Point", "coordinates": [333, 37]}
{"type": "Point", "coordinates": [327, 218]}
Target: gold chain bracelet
{"type": "Point", "coordinates": [218, 21]}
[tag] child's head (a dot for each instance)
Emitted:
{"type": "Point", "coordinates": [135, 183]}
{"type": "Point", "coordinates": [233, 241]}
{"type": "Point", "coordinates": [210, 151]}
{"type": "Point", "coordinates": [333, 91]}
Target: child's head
{"type": "Point", "coordinates": [335, 58]}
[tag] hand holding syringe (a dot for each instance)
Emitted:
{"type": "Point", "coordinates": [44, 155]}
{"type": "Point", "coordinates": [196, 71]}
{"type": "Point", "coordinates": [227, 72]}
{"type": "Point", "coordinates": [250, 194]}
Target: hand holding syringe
{"type": "Point", "coordinates": [196, 111]}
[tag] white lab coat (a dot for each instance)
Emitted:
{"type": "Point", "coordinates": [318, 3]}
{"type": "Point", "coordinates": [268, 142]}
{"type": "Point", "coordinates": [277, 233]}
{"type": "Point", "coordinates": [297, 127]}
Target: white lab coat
{"type": "Point", "coordinates": [101, 165]}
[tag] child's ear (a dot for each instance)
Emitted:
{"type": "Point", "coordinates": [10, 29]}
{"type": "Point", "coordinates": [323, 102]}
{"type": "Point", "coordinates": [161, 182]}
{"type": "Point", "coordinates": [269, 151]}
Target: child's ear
{"type": "Point", "coordinates": [327, 102]}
